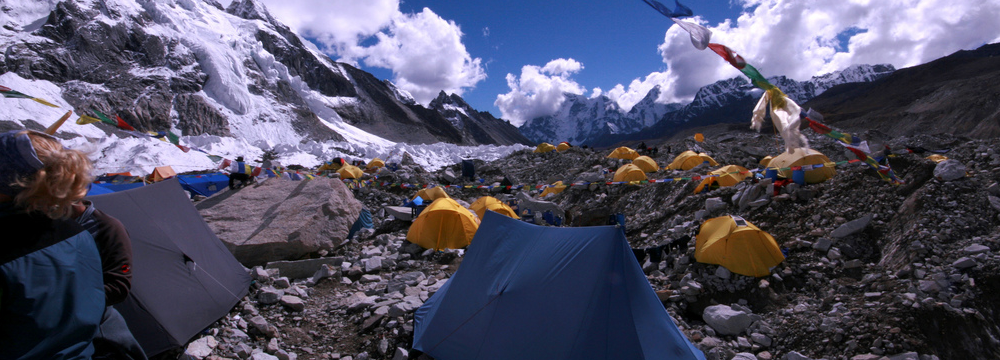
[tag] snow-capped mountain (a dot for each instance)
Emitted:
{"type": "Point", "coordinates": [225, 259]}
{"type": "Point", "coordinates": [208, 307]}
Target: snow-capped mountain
{"type": "Point", "coordinates": [580, 120]}
{"type": "Point", "coordinates": [196, 68]}
{"type": "Point", "coordinates": [594, 122]}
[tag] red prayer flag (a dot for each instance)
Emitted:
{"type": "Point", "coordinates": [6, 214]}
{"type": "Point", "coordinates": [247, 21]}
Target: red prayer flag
{"type": "Point", "coordinates": [123, 125]}
{"type": "Point", "coordinates": [729, 55]}
{"type": "Point", "coordinates": [820, 128]}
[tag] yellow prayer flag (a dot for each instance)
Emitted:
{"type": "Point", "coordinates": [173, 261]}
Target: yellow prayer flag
{"type": "Point", "coordinates": [43, 102]}
{"type": "Point", "coordinates": [84, 120]}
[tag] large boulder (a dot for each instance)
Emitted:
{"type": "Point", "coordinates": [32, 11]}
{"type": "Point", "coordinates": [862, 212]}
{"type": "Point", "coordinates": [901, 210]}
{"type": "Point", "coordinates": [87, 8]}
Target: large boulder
{"type": "Point", "coordinates": [281, 219]}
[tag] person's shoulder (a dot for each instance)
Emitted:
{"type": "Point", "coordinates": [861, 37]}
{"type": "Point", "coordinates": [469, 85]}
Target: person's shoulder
{"type": "Point", "coordinates": [33, 231]}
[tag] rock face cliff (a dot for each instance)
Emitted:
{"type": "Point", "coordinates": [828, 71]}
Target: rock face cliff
{"type": "Point", "coordinates": [195, 67]}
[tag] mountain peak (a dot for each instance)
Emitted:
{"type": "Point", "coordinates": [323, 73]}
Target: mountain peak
{"type": "Point", "coordinates": [250, 10]}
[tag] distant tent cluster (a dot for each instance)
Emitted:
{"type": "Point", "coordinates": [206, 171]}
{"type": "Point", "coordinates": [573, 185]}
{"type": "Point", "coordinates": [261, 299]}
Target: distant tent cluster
{"type": "Point", "coordinates": [546, 147]}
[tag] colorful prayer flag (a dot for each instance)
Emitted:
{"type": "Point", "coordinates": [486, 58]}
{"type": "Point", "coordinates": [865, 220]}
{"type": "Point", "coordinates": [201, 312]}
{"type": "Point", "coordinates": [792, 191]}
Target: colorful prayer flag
{"type": "Point", "coordinates": [123, 125]}
{"type": "Point", "coordinates": [700, 35]}
{"type": "Point", "coordinates": [729, 55]}
{"type": "Point", "coordinates": [84, 120]}
{"type": "Point", "coordinates": [105, 119]}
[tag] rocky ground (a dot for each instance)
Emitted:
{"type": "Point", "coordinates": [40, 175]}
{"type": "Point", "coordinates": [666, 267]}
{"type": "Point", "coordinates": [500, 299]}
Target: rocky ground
{"type": "Point", "coordinates": [872, 270]}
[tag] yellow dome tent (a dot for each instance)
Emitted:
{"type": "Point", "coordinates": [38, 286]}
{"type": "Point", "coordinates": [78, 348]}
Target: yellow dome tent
{"type": "Point", "coordinates": [801, 157]}
{"type": "Point", "coordinates": [646, 163]}
{"type": "Point", "coordinates": [350, 172]}
{"type": "Point", "coordinates": [443, 225]}
{"type": "Point", "coordinates": [555, 188]}
{"type": "Point", "coordinates": [623, 153]}
{"type": "Point", "coordinates": [689, 160]}
{"type": "Point", "coordinates": [937, 158]}
{"type": "Point", "coordinates": [629, 172]}
{"type": "Point", "coordinates": [491, 203]}
{"type": "Point", "coordinates": [728, 175]}
{"type": "Point", "coordinates": [544, 148]}
{"type": "Point", "coordinates": [333, 165]}
{"type": "Point", "coordinates": [738, 246]}
{"type": "Point", "coordinates": [699, 137]}
{"type": "Point", "coordinates": [376, 163]}
{"type": "Point", "coordinates": [766, 160]}
{"type": "Point", "coordinates": [431, 194]}
{"type": "Point", "coordinates": [563, 146]}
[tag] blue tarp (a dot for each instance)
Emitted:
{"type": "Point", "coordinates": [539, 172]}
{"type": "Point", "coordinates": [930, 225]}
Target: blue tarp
{"type": "Point", "coordinates": [205, 185]}
{"type": "Point", "coordinates": [98, 189]}
{"type": "Point", "coordinates": [535, 292]}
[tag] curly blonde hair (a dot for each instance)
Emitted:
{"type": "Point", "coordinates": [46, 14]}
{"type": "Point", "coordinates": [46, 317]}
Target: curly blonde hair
{"type": "Point", "coordinates": [64, 179]}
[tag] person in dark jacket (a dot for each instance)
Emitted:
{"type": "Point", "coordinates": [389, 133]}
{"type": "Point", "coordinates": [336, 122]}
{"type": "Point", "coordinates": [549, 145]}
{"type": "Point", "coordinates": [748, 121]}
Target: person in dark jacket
{"type": "Point", "coordinates": [113, 340]}
{"type": "Point", "coordinates": [51, 285]}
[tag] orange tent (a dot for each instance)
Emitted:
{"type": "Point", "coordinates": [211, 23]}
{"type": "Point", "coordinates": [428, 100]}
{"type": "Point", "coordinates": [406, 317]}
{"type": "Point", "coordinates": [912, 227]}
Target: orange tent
{"type": "Point", "coordinates": [728, 175]}
{"type": "Point", "coordinates": [443, 225]}
{"type": "Point", "coordinates": [624, 152]}
{"type": "Point", "coordinates": [629, 173]}
{"type": "Point", "coordinates": [493, 204]}
{"type": "Point", "coordinates": [646, 163]}
{"type": "Point", "coordinates": [555, 188]}
{"type": "Point", "coordinates": [161, 173]}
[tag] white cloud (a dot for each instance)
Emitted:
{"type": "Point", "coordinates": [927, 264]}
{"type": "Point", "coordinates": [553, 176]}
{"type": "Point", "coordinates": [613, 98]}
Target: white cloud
{"type": "Point", "coordinates": [424, 51]}
{"type": "Point", "coordinates": [801, 39]}
{"type": "Point", "coordinates": [539, 90]}
{"type": "Point", "coordinates": [426, 55]}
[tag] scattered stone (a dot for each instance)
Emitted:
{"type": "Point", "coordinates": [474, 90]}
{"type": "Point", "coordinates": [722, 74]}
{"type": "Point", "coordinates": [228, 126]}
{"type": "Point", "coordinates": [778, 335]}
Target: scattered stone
{"type": "Point", "coordinates": [950, 170]}
{"type": "Point", "coordinates": [723, 273]}
{"type": "Point", "coordinates": [866, 357]}
{"type": "Point", "coordinates": [400, 354]}
{"type": "Point", "coordinates": [262, 356]}
{"type": "Point", "coordinates": [282, 283]}
{"type": "Point", "coordinates": [725, 320]}
{"type": "Point", "coordinates": [201, 348]}
{"type": "Point", "coordinates": [714, 205]}
{"type": "Point", "coordinates": [301, 269]}
{"type": "Point", "coordinates": [963, 263]}
{"type": "Point", "coordinates": [822, 244]}
{"type": "Point", "coordinates": [975, 249]}
{"type": "Point", "coordinates": [794, 355]}
{"type": "Point", "coordinates": [761, 339]}
{"type": "Point", "coordinates": [269, 295]}
{"type": "Point", "coordinates": [852, 227]}
{"type": "Point", "coordinates": [293, 303]}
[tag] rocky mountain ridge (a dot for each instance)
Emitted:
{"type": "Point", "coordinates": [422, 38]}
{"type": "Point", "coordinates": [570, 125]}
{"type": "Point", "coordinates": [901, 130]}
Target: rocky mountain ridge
{"type": "Point", "coordinates": [591, 121]}
{"type": "Point", "coordinates": [957, 94]}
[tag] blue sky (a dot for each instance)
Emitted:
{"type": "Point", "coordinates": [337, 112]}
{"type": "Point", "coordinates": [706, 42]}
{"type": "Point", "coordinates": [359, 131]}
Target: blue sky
{"type": "Point", "coordinates": [516, 58]}
{"type": "Point", "coordinates": [616, 41]}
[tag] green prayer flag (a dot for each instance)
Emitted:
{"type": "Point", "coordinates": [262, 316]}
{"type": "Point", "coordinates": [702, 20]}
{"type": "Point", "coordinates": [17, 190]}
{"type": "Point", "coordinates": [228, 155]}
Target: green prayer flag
{"type": "Point", "coordinates": [15, 94]}
{"type": "Point", "coordinates": [105, 119]}
{"type": "Point", "coordinates": [756, 78]}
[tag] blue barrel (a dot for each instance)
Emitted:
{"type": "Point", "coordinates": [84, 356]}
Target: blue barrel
{"type": "Point", "coordinates": [799, 176]}
{"type": "Point", "coordinates": [771, 173]}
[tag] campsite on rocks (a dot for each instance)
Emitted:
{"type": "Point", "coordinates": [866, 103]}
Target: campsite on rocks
{"type": "Point", "coordinates": [283, 202]}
